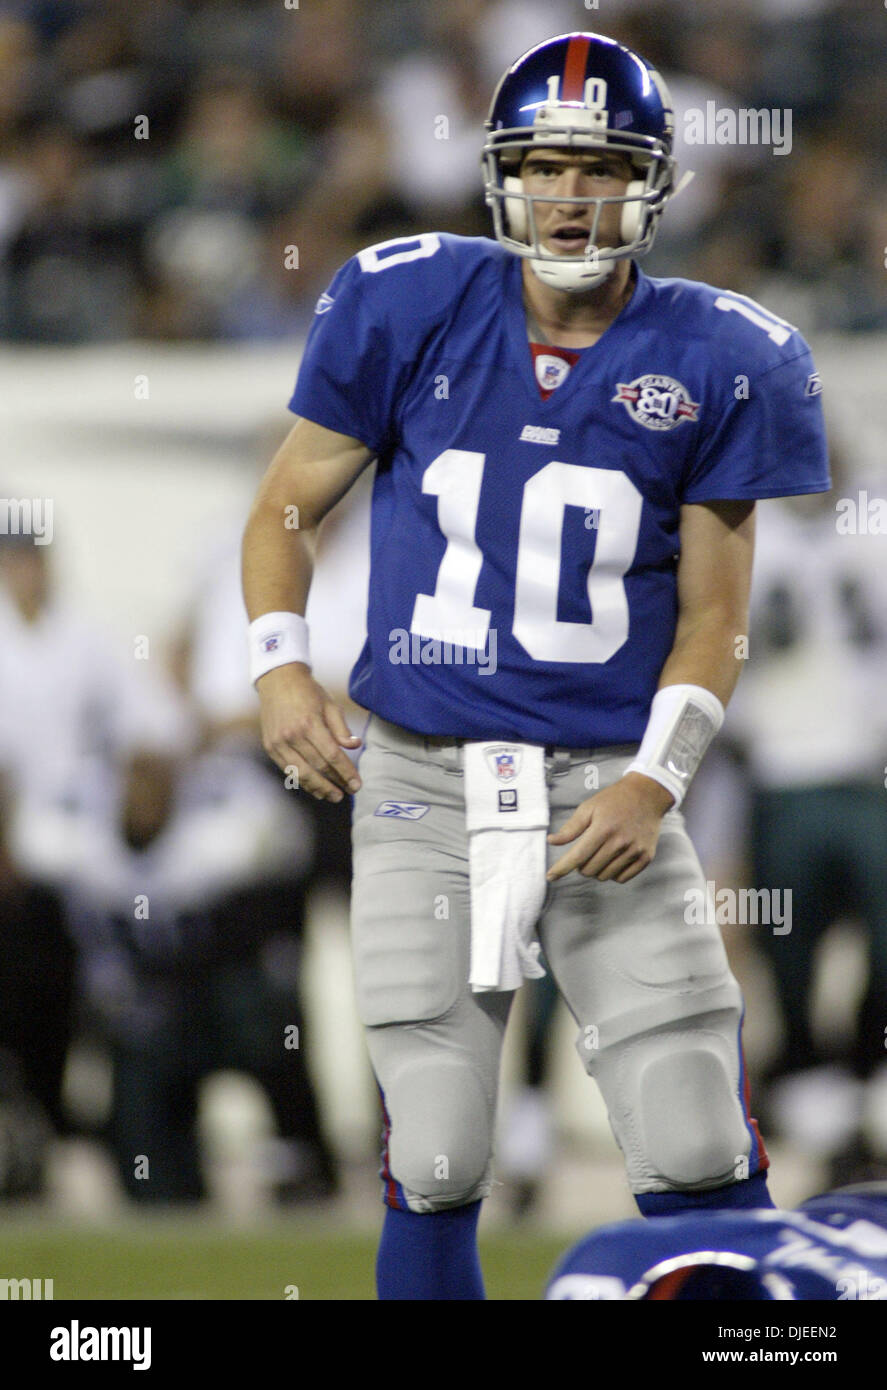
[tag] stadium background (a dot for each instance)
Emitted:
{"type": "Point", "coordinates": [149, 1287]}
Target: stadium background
{"type": "Point", "coordinates": [177, 184]}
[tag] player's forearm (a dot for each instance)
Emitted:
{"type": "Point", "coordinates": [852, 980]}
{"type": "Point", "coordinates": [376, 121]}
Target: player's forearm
{"type": "Point", "coordinates": [311, 471]}
{"type": "Point", "coordinates": [696, 682]}
{"type": "Point", "coordinates": [705, 652]}
{"type": "Point", "coordinates": [277, 562]}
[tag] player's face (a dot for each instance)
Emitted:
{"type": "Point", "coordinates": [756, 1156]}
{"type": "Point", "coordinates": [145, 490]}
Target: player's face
{"type": "Point", "coordinates": [563, 227]}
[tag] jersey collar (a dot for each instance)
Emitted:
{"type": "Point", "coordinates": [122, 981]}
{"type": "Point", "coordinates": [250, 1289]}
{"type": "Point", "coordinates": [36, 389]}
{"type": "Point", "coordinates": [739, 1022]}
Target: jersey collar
{"type": "Point", "coordinates": [625, 321]}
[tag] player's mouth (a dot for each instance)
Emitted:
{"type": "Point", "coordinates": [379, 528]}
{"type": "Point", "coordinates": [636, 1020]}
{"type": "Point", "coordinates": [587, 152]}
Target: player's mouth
{"type": "Point", "coordinates": [571, 237]}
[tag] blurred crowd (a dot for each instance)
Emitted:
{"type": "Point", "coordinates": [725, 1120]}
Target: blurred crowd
{"type": "Point", "coordinates": [154, 869]}
{"type": "Point", "coordinates": [197, 169]}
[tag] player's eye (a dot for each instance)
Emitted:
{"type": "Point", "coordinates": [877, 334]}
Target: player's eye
{"type": "Point", "coordinates": [596, 170]}
{"type": "Point", "coordinates": [549, 171]}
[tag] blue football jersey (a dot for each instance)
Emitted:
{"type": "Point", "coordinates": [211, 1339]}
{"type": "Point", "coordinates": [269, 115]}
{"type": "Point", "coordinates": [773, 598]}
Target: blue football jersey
{"type": "Point", "coordinates": [524, 550]}
{"type": "Point", "coordinates": [833, 1247]}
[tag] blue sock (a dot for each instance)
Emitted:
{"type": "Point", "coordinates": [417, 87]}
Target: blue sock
{"type": "Point", "coordinates": [751, 1192]}
{"type": "Point", "coordinates": [431, 1256]}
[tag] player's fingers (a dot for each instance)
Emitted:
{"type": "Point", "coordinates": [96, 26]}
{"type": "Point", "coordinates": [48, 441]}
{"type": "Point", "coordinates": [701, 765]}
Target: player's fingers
{"type": "Point", "coordinates": [614, 850]}
{"type": "Point", "coordinates": [338, 725]}
{"type": "Point", "coordinates": [585, 846]}
{"type": "Point", "coordinates": [634, 869]}
{"type": "Point", "coordinates": [305, 777]}
{"type": "Point", "coordinates": [621, 864]}
{"type": "Point", "coordinates": [326, 757]}
{"type": "Point", "coordinates": [294, 750]}
{"type": "Point", "coordinates": [341, 771]}
{"type": "Point", "coordinates": [599, 855]}
{"type": "Point", "coordinates": [340, 775]}
{"type": "Point", "coordinates": [578, 822]}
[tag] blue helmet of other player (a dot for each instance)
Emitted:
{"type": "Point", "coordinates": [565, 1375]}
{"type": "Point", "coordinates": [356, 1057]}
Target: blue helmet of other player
{"type": "Point", "coordinates": [579, 92]}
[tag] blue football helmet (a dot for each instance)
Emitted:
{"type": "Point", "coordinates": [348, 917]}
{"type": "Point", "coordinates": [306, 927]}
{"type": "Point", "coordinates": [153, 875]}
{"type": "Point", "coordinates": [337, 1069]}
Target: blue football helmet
{"type": "Point", "coordinates": [580, 92]}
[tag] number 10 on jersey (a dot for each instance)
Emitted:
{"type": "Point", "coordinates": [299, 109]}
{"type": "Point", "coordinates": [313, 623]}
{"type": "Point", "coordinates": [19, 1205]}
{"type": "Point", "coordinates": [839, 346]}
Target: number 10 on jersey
{"type": "Point", "coordinates": [449, 614]}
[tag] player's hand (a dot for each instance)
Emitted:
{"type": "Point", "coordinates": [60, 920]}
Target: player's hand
{"type": "Point", "coordinates": [304, 728]}
{"type": "Point", "coordinates": [615, 831]}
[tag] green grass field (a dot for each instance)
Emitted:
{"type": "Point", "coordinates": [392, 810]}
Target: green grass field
{"type": "Point", "coordinates": [187, 1258]}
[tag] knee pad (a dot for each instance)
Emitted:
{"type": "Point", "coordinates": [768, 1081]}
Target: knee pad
{"type": "Point", "coordinates": [440, 1138]}
{"type": "Point", "coordinates": [673, 1101]}
{"type": "Point", "coordinates": [693, 1129]}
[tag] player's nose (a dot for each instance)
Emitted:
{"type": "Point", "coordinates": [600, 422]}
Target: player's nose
{"type": "Point", "coordinates": [572, 183]}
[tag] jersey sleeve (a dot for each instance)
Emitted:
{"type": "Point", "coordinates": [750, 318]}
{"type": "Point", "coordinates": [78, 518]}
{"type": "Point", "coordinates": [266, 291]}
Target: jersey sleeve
{"type": "Point", "coordinates": [349, 374]}
{"type": "Point", "coordinates": [767, 440]}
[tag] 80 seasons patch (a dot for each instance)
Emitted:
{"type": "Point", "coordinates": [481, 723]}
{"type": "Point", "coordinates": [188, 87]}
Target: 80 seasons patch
{"type": "Point", "coordinates": [657, 402]}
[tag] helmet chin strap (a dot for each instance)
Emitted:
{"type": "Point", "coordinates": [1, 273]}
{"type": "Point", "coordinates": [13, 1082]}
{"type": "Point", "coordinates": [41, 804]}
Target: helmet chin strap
{"type": "Point", "coordinates": [572, 276]}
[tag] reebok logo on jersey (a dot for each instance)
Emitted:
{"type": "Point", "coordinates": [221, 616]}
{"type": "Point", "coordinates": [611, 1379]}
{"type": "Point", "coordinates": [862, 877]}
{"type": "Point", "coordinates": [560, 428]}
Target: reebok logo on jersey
{"type": "Point", "coordinates": [539, 434]}
{"type": "Point", "coordinates": [404, 810]}
{"type": "Point", "coordinates": [324, 303]}
{"type": "Point", "coordinates": [656, 402]}
{"type": "Point", "coordinates": [814, 384]}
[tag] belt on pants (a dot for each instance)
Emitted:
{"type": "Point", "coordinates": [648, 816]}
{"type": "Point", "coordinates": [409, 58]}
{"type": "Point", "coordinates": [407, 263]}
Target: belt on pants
{"type": "Point", "coordinates": [559, 758]}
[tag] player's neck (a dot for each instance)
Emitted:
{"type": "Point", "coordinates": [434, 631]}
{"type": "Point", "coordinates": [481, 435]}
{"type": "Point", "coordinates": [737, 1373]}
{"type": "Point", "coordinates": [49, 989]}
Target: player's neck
{"type": "Point", "coordinates": [562, 319]}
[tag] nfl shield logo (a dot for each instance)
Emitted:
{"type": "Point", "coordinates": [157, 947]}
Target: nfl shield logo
{"type": "Point", "coordinates": [504, 763]}
{"type": "Point", "coordinates": [271, 644]}
{"type": "Point", "coordinates": [550, 370]}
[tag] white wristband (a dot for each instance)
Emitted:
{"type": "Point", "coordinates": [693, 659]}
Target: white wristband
{"type": "Point", "coordinates": [683, 721]}
{"type": "Point", "coordinates": [275, 639]}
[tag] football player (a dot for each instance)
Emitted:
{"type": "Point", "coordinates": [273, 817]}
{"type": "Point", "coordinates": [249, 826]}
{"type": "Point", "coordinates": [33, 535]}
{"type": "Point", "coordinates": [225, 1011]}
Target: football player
{"type": "Point", "coordinates": [568, 456]}
{"type": "Point", "coordinates": [833, 1247]}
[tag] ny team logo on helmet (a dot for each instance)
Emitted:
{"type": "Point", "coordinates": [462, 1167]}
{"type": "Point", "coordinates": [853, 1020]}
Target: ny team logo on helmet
{"type": "Point", "coordinates": [580, 92]}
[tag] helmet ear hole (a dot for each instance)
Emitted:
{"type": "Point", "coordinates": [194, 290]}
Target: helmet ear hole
{"type": "Point", "coordinates": [633, 212]}
{"type": "Point", "coordinates": [515, 208]}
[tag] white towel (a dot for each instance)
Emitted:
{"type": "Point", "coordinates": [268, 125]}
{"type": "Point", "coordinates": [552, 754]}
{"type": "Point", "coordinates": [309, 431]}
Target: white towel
{"type": "Point", "coordinates": [507, 817]}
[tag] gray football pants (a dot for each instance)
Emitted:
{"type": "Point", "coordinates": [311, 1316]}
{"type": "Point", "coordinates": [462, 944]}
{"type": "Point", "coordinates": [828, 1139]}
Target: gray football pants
{"type": "Point", "coordinates": [657, 1009]}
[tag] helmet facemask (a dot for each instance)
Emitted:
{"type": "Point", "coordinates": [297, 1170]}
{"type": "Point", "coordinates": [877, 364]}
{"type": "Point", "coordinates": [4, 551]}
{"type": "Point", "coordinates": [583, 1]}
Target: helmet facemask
{"type": "Point", "coordinates": [514, 217]}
